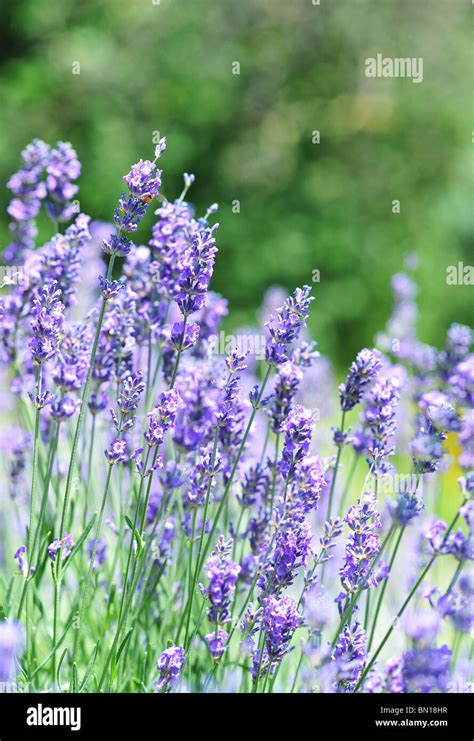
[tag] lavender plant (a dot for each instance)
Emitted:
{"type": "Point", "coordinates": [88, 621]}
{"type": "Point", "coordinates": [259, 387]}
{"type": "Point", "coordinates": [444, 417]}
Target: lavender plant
{"type": "Point", "coordinates": [172, 517]}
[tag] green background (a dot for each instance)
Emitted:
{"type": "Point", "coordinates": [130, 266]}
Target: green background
{"type": "Point", "coordinates": [167, 67]}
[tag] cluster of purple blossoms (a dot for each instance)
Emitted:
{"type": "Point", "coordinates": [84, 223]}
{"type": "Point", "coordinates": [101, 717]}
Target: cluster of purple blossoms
{"type": "Point", "coordinates": [406, 507]}
{"type": "Point", "coordinates": [11, 643]}
{"type": "Point", "coordinates": [127, 403]}
{"type": "Point", "coordinates": [285, 325]}
{"type": "Point", "coordinates": [143, 182]}
{"type": "Point", "coordinates": [169, 665]}
{"type": "Point", "coordinates": [196, 269]}
{"type": "Point", "coordinates": [291, 551]}
{"type": "Point", "coordinates": [380, 417]}
{"type": "Point", "coordinates": [29, 190]}
{"type": "Point", "coordinates": [222, 573]}
{"type": "Point", "coordinates": [162, 417]}
{"type": "Point", "coordinates": [363, 370]}
{"type": "Point", "coordinates": [47, 325]}
{"type": "Point", "coordinates": [278, 405]}
{"type": "Point", "coordinates": [462, 381]}
{"type": "Point", "coordinates": [298, 428]}
{"type": "Point", "coordinates": [362, 546]}
{"type": "Point", "coordinates": [62, 168]}
{"type": "Point", "coordinates": [426, 669]}
{"type": "Point", "coordinates": [280, 619]}
{"type": "Point", "coordinates": [458, 343]}
{"type": "Point", "coordinates": [20, 556]}
{"type": "Point", "coordinates": [64, 546]}
{"type": "Point", "coordinates": [350, 656]}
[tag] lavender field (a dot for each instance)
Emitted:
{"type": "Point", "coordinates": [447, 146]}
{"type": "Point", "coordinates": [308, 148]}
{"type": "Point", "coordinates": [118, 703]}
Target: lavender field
{"type": "Point", "coordinates": [187, 511]}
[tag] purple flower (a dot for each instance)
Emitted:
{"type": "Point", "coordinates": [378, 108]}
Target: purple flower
{"type": "Point", "coordinates": [117, 452]}
{"type": "Point", "coordinates": [169, 665]}
{"type": "Point", "coordinates": [183, 337]}
{"type": "Point", "coordinates": [350, 656]}
{"type": "Point", "coordinates": [143, 182]}
{"type": "Point", "coordinates": [442, 415]}
{"type": "Point", "coordinates": [221, 572]}
{"type": "Point", "coordinates": [100, 553]}
{"type": "Point", "coordinates": [254, 486]}
{"type": "Point", "coordinates": [426, 670]}
{"type": "Point", "coordinates": [19, 555]}
{"type": "Point", "coordinates": [292, 547]}
{"type": "Point", "coordinates": [379, 415]}
{"type": "Point", "coordinates": [62, 409]}
{"type": "Point", "coordinates": [427, 446]}
{"type": "Point", "coordinates": [216, 642]}
{"type": "Point", "coordinates": [47, 325]}
{"type": "Point", "coordinates": [62, 168]}
{"type": "Point", "coordinates": [64, 546]}
{"type": "Point", "coordinates": [162, 417]}
{"type": "Point", "coordinates": [29, 190]}
{"type": "Point", "coordinates": [362, 371]}
{"type": "Point", "coordinates": [462, 381]}
{"type": "Point", "coordinates": [196, 268]}
{"type": "Point", "coordinates": [11, 642]}
{"type": "Point", "coordinates": [406, 507]}
{"type": "Point", "coordinates": [298, 429]}
{"type": "Point", "coordinates": [280, 619]}
{"type": "Point", "coordinates": [109, 289]}
{"type": "Point", "coordinates": [362, 545]}
{"type": "Point", "coordinates": [285, 325]}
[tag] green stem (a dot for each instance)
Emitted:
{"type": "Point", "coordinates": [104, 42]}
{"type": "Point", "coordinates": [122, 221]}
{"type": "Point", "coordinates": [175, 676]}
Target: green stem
{"type": "Point", "coordinates": [336, 466]}
{"type": "Point", "coordinates": [201, 538]}
{"type": "Point", "coordinates": [384, 587]}
{"type": "Point", "coordinates": [29, 628]}
{"type": "Point", "coordinates": [92, 561]}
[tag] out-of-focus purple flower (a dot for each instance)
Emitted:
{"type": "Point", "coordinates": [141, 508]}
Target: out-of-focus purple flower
{"type": "Point", "coordinates": [62, 168]}
{"type": "Point", "coordinates": [421, 626]}
{"type": "Point", "coordinates": [62, 409]}
{"type": "Point", "coordinates": [285, 325]}
{"type": "Point", "coordinates": [436, 407]}
{"type": "Point", "coordinates": [28, 190]}
{"type": "Point", "coordinates": [407, 505]}
{"type": "Point", "coordinates": [20, 556]}
{"type": "Point", "coordinates": [462, 381]}
{"type": "Point", "coordinates": [63, 546]}
{"type": "Point", "coordinates": [427, 446]}
{"type": "Point", "coordinates": [100, 553]}
{"type": "Point", "coordinates": [332, 530]}
{"type": "Point", "coordinates": [203, 476]}
{"type": "Point", "coordinates": [11, 642]}
{"type": "Point", "coordinates": [169, 665]}
{"type": "Point", "coordinates": [426, 669]}
{"type": "Point", "coordinates": [458, 343]}
{"type": "Point", "coordinates": [254, 486]}
{"type": "Point", "coordinates": [466, 440]}
{"type": "Point", "coordinates": [363, 370]}
{"type": "Point", "coordinates": [184, 336]}
{"type": "Point", "coordinates": [350, 655]}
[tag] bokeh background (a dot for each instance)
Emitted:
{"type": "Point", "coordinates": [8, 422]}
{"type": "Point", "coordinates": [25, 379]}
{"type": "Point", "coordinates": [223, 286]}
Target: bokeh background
{"type": "Point", "coordinates": [168, 66]}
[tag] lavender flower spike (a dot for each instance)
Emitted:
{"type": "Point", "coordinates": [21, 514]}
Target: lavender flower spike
{"type": "Point", "coordinates": [169, 664]}
{"type": "Point", "coordinates": [362, 371]}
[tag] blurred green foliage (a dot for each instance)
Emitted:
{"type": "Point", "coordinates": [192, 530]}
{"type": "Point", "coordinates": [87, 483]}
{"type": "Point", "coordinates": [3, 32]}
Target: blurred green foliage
{"type": "Point", "coordinates": [167, 66]}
